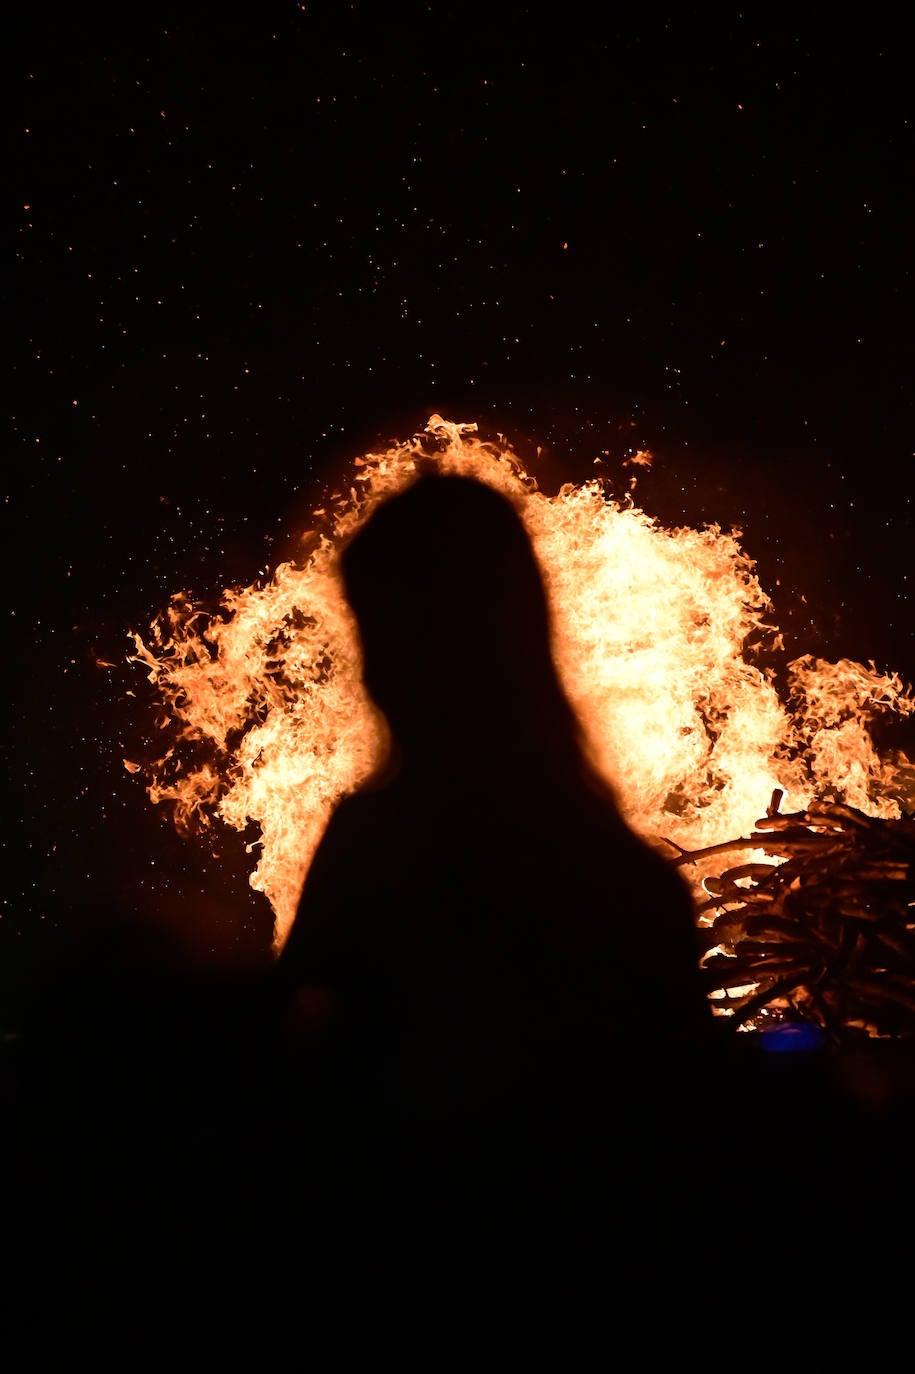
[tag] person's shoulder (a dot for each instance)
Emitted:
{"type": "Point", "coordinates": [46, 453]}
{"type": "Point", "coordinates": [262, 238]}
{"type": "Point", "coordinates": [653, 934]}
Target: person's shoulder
{"type": "Point", "coordinates": [358, 809]}
{"type": "Point", "coordinates": [645, 861]}
{"type": "Point", "coordinates": [657, 861]}
{"type": "Point", "coordinates": [361, 821]}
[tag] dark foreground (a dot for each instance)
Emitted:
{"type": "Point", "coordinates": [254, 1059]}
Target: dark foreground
{"type": "Point", "coordinates": [177, 1172]}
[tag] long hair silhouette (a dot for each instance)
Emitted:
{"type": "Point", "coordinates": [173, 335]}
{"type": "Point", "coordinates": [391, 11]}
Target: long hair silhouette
{"type": "Point", "coordinates": [505, 958]}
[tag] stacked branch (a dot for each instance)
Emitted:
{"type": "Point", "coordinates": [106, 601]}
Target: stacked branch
{"type": "Point", "coordinates": [818, 923]}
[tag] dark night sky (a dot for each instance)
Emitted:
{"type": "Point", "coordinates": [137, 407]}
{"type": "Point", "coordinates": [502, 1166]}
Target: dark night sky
{"type": "Point", "coordinates": [246, 250]}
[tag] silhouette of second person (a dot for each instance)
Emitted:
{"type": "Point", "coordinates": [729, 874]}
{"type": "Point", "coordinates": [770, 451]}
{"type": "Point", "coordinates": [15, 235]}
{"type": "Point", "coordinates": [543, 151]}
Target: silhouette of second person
{"type": "Point", "coordinates": [503, 968]}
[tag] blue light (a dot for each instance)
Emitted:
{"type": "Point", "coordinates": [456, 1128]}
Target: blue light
{"type": "Point", "coordinates": [792, 1037]}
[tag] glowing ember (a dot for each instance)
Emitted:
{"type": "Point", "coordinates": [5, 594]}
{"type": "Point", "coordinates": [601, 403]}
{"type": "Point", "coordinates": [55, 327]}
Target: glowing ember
{"type": "Point", "coordinates": [266, 721]}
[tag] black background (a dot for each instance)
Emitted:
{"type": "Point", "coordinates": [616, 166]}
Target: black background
{"type": "Point", "coordinates": [247, 250]}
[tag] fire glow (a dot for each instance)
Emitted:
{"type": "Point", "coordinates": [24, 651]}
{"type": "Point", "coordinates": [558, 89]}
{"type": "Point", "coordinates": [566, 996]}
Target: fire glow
{"type": "Point", "coordinates": [658, 634]}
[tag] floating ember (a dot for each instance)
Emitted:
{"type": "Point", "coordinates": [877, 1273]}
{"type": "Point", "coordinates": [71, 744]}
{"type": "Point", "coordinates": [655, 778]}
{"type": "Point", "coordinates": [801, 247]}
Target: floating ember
{"type": "Point", "coordinates": [658, 637]}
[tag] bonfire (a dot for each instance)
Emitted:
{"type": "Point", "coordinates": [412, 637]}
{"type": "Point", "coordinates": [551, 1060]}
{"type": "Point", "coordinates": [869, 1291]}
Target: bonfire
{"type": "Point", "coordinates": [666, 644]}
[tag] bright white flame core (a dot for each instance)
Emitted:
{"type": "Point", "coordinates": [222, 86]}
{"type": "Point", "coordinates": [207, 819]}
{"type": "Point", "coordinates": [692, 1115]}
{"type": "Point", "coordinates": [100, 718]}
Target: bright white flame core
{"type": "Point", "coordinates": [267, 721]}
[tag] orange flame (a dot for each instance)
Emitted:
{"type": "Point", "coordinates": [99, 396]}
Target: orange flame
{"type": "Point", "coordinates": [266, 720]}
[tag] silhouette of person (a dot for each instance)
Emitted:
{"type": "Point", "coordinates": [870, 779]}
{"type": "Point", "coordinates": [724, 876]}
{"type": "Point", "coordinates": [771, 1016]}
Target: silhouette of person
{"type": "Point", "coordinates": [504, 971]}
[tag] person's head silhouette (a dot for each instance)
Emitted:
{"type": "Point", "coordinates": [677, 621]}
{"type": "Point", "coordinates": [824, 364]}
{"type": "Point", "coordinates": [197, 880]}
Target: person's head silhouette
{"type": "Point", "coordinates": [455, 628]}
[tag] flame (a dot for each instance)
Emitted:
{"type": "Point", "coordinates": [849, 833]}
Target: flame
{"type": "Point", "coordinates": [265, 719]}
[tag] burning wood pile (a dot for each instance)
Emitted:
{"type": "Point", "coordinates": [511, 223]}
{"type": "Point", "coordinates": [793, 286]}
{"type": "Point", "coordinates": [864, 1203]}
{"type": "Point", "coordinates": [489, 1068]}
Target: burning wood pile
{"type": "Point", "coordinates": [818, 925]}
